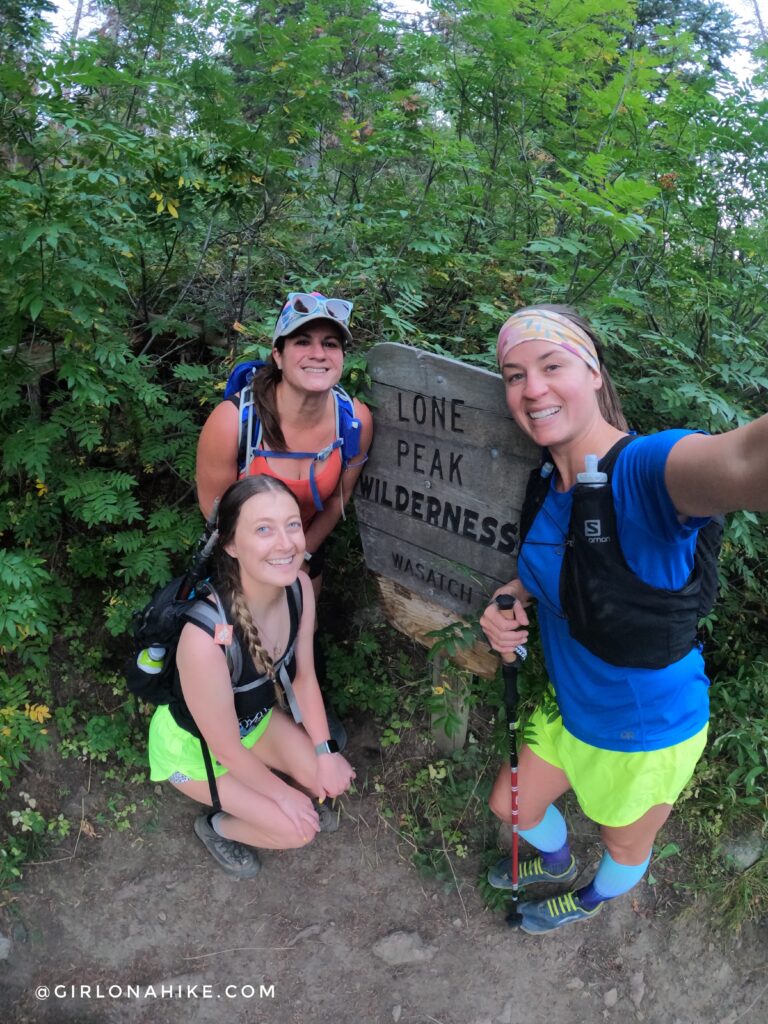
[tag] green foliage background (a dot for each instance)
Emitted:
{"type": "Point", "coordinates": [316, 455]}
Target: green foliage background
{"type": "Point", "coordinates": [183, 167]}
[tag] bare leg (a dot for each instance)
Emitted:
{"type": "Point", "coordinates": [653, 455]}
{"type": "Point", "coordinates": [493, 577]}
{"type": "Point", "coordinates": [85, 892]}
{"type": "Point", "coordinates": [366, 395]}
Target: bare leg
{"type": "Point", "coordinates": [285, 747]}
{"type": "Point", "coordinates": [540, 784]}
{"type": "Point", "coordinates": [631, 844]}
{"type": "Point", "coordinates": [250, 817]}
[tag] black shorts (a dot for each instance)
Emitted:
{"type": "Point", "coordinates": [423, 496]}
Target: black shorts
{"type": "Point", "coordinates": [317, 562]}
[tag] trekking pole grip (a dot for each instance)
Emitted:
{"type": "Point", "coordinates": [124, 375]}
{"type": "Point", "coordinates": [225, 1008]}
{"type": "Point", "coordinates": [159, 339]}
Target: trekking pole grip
{"type": "Point", "coordinates": [506, 603]}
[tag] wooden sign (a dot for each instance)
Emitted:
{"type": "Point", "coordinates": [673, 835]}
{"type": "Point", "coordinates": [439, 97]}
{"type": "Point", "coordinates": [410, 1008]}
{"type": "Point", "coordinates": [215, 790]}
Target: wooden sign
{"type": "Point", "coordinates": [439, 499]}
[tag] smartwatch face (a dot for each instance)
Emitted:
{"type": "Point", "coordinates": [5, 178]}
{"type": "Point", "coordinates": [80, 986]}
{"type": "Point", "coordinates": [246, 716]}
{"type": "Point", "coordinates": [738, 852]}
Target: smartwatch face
{"type": "Point", "coordinates": [333, 747]}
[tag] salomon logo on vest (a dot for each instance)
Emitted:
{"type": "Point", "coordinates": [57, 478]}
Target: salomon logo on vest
{"type": "Point", "coordinates": [593, 531]}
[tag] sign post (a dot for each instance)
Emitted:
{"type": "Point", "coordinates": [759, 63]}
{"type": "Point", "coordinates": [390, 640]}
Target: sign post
{"type": "Point", "coordinates": [439, 499]}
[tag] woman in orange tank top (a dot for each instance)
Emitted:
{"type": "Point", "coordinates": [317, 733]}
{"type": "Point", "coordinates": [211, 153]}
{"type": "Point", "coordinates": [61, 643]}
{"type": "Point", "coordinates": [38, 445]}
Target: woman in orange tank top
{"type": "Point", "coordinates": [295, 404]}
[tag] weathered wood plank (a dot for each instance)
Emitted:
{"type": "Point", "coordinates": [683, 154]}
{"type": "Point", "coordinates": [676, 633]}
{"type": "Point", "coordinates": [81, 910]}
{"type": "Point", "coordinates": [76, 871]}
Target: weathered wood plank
{"type": "Point", "coordinates": [416, 617]}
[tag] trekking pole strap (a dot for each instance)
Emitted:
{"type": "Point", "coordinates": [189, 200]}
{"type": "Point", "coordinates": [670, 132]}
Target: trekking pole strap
{"type": "Point", "coordinates": [215, 802]}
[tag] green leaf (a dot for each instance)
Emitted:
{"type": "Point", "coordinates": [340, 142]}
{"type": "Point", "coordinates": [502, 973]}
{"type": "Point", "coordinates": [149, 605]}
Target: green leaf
{"type": "Point", "coordinates": [670, 850]}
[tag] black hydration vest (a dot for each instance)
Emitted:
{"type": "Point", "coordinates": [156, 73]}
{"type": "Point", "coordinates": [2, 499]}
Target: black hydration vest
{"type": "Point", "coordinates": [254, 692]}
{"type": "Point", "coordinates": [609, 609]}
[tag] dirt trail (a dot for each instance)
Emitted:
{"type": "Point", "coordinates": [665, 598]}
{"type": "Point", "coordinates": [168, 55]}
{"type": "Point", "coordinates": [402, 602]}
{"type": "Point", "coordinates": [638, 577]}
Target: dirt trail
{"type": "Point", "coordinates": [148, 910]}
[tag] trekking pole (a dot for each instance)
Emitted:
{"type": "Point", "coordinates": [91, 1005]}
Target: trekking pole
{"type": "Point", "coordinates": [205, 546]}
{"type": "Point", "coordinates": [509, 667]}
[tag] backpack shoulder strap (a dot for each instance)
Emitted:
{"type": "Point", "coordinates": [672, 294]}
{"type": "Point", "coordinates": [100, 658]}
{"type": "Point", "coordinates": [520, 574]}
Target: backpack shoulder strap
{"type": "Point", "coordinates": [608, 461]}
{"type": "Point", "coordinates": [536, 492]}
{"type": "Point", "coordinates": [540, 479]}
{"type": "Point", "coordinates": [295, 596]}
{"type": "Point", "coordinates": [597, 503]}
{"type": "Point", "coordinates": [239, 388]}
{"type": "Point", "coordinates": [207, 616]}
{"type": "Point", "coordinates": [348, 426]}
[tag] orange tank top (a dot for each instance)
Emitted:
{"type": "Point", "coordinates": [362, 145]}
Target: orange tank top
{"type": "Point", "coordinates": [327, 476]}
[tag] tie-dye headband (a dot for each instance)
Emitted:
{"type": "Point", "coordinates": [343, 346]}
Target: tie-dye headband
{"type": "Point", "coordinates": [546, 325]}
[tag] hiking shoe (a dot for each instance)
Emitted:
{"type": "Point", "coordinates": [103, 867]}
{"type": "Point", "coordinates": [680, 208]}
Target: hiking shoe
{"type": "Point", "coordinates": [328, 815]}
{"type": "Point", "coordinates": [531, 871]}
{"type": "Point", "coordinates": [235, 858]}
{"type": "Point", "coordinates": [549, 915]}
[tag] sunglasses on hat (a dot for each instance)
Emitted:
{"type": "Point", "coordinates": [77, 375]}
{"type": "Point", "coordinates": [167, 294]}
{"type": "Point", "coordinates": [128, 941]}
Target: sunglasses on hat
{"type": "Point", "coordinates": [302, 307]}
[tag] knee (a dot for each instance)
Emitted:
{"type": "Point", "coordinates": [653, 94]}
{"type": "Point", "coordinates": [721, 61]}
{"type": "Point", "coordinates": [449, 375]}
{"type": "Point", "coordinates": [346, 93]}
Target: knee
{"type": "Point", "coordinates": [529, 818]}
{"type": "Point", "coordinates": [294, 842]}
{"type": "Point", "coordinates": [529, 813]}
{"type": "Point", "coordinates": [627, 851]}
{"type": "Point", "coordinates": [499, 805]}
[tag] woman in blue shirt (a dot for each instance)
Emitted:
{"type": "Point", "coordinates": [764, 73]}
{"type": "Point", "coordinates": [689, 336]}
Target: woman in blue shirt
{"type": "Point", "coordinates": [627, 738]}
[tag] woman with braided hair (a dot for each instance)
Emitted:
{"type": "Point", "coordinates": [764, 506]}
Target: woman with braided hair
{"type": "Point", "coordinates": [253, 741]}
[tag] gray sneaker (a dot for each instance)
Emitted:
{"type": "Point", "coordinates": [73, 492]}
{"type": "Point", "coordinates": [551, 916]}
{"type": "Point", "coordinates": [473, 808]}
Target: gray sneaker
{"type": "Point", "coordinates": [328, 815]}
{"type": "Point", "coordinates": [531, 872]}
{"type": "Point", "coordinates": [235, 858]}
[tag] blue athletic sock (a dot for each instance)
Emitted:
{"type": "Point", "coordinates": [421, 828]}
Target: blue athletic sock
{"type": "Point", "coordinates": [611, 880]}
{"type": "Point", "coordinates": [550, 837]}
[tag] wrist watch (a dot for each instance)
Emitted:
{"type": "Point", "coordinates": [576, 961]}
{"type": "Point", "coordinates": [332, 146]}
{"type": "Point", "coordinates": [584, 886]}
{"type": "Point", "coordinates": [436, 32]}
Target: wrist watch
{"type": "Point", "coordinates": [327, 747]}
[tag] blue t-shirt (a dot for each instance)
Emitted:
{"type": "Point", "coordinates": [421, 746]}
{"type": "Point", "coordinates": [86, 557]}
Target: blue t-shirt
{"type": "Point", "coordinates": [607, 706]}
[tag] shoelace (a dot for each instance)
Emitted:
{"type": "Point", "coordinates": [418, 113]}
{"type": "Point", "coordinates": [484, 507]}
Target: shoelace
{"type": "Point", "coordinates": [529, 867]}
{"type": "Point", "coordinates": [565, 904]}
{"type": "Point", "coordinates": [232, 851]}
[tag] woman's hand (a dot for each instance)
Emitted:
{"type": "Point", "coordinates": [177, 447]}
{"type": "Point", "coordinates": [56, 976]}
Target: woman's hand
{"type": "Point", "coordinates": [505, 632]}
{"type": "Point", "coordinates": [297, 807]}
{"type": "Point", "coordinates": [334, 775]}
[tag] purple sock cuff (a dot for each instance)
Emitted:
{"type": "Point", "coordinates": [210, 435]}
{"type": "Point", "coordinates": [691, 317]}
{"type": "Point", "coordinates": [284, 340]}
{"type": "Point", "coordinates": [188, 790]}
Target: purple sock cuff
{"type": "Point", "coordinates": [561, 856]}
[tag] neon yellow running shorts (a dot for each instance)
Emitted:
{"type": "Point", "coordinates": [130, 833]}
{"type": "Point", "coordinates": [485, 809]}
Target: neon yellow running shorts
{"type": "Point", "coordinates": [615, 788]}
{"type": "Point", "coordinates": [173, 749]}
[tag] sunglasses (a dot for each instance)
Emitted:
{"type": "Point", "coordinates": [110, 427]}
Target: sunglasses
{"type": "Point", "coordinates": [304, 304]}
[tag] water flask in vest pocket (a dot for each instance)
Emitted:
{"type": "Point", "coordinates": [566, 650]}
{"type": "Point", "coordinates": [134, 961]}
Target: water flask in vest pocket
{"type": "Point", "coordinates": [151, 660]}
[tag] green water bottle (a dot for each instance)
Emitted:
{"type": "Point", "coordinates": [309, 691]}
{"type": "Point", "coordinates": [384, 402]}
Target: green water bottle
{"type": "Point", "coordinates": [151, 660]}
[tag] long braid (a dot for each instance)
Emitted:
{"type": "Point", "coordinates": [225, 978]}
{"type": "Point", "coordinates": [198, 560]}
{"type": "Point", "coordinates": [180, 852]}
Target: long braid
{"type": "Point", "coordinates": [229, 580]}
{"type": "Point", "coordinates": [244, 620]}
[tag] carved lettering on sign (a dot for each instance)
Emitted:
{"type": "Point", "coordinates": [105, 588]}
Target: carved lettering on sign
{"type": "Point", "coordinates": [408, 567]}
{"type": "Point", "coordinates": [443, 515]}
{"type": "Point", "coordinates": [430, 411]}
{"type": "Point", "coordinates": [416, 457]}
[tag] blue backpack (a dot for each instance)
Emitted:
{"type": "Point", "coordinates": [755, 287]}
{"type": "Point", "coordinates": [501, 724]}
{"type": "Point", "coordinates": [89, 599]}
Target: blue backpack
{"type": "Point", "coordinates": [249, 435]}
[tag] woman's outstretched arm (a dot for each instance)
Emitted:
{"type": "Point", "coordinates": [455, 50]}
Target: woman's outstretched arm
{"type": "Point", "coordinates": [710, 475]}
